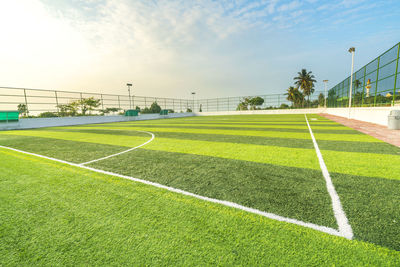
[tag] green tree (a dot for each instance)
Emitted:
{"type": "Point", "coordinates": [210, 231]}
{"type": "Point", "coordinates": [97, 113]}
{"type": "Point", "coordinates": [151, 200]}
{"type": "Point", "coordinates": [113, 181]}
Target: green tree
{"type": "Point", "coordinates": [155, 108]}
{"type": "Point", "coordinates": [284, 106]}
{"type": "Point", "coordinates": [70, 109]}
{"type": "Point", "coordinates": [88, 104]}
{"type": "Point", "coordinates": [48, 114]}
{"type": "Point", "coordinates": [255, 101]}
{"type": "Point", "coordinates": [146, 110]}
{"type": "Point", "coordinates": [23, 109]}
{"type": "Point", "coordinates": [305, 81]}
{"type": "Point", "coordinates": [244, 105]}
{"type": "Point", "coordinates": [295, 96]}
{"type": "Point", "coordinates": [321, 99]}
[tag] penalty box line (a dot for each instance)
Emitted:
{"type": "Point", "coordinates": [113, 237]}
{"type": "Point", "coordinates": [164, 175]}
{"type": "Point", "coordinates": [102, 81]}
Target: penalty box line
{"type": "Point", "coordinates": [122, 152]}
{"type": "Point", "coordinates": [272, 216]}
{"type": "Point", "coordinates": [341, 219]}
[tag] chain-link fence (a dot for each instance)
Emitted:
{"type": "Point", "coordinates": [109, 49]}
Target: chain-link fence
{"type": "Point", "coordinates": [273, 101]}
{"type": "Point", "coordinates": [375, 84]}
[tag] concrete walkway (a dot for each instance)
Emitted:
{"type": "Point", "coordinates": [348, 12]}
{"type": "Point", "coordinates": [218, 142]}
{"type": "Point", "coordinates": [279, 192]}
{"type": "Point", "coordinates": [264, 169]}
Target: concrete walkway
{"type": "Point", "coordinates": [375, 130]}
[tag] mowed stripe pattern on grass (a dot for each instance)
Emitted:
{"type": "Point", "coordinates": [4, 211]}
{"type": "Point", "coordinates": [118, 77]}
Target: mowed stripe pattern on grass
{"type": "Point", "coordinates": [54, 214]}
{"type": "Point", "coordinates": [253, 182]}
{"type": "Point", "coordinates": [270, 151]}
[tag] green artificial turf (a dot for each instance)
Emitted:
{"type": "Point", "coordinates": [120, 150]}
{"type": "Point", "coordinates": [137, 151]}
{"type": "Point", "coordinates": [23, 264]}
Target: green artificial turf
{"type": "Point", "coordinates": [290, 192]}
{"type": "Point", "coordinates": [371, 204]}
{"type": "Point", "coordinates": [347, 146]}
{"type": "Point", "coordinates": [72, 151]}
{"type": "Point", "coordinates": [249, 160]}
{"type": "Point", "coordinates": [54, 214]}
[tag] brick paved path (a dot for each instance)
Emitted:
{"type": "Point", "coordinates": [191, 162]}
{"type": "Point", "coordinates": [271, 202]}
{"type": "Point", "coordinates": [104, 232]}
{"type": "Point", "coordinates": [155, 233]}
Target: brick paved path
{"type": "Point", "coordinates": [375, 130]}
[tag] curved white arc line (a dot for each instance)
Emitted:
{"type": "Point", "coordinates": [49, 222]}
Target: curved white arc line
{"type": "Point", "coordinates": [324, 229]}
{"type": "Point", "coordinates": [122, 152]}
{"type": "Point", "coordinates": [341, 219]}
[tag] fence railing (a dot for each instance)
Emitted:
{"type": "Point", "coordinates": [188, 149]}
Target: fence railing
{"type": "Point", "coordinates": [375, 84]}
{"type": "Point", "coordinates": [273, 101]}
{"type": "Point", "coordinates": [39, 101]}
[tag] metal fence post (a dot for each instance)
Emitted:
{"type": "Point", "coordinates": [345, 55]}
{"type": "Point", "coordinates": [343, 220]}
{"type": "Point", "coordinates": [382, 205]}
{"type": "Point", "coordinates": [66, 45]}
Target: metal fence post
{"type": "Point", "coordinates": [102, 104]}
{"type": "Point", "coordinates": [119, 103]}
{"type": "Point", "coordinates": [217, 104]}
{"type": "Point", "coordinates": [133, 102]}
{"type": "Point", "coordinates": [396, 74]}
{"type": "Point", "coordinates": [26, 103]}
{"type": "Point", "coordinates": [58, 109]}
{"type": "Point", "coordinates": [376, 82]}
{"type": "Point", "coordinates": [362, 101]}
{"type": "Point", "coordinates": [173, 104]}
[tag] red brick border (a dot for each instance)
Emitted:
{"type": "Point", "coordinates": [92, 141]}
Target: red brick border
{"type": "Point", "coordinates": [378, 131]}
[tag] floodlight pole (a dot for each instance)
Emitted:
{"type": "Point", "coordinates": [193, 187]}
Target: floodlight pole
{"type": "Point", "coordinates": [129, 92]}
{"type": "Point", "coordinates": [325, 83]}
{"type": "Point", "coordinates": [351, 50]}
{"type": "Point", "coordinates": [193, 93]}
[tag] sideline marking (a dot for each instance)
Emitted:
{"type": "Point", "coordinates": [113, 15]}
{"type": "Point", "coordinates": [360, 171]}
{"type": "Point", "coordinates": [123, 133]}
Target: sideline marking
{"type": "Point", "coordinates": [324, 229]}
{"type": "Point", "coordinates": [341, 219]}
{"type": "Point", "coordinates": [133, 148]}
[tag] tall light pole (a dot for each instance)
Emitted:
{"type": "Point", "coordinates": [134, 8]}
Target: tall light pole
{"type": "Point", "coordinates": [325, 82]}
{"type": "Point", "coordinates": [129, 92]}
{"type": "Point", "coordinates": [193, 93]}
{"type": "Point", "coordinates": [351, 50]}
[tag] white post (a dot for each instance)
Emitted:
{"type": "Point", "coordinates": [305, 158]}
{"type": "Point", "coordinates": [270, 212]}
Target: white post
{"type": "Point", "coordinates": [351, 50]}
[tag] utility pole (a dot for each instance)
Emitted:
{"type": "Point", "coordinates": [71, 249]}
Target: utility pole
{"type": "Point", "coordinates": [129, 92]}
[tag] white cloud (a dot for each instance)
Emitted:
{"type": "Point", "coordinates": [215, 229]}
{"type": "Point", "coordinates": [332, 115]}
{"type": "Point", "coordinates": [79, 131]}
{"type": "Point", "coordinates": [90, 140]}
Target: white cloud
{"type": "Point", "coordinates": [289, 6]}
{"type": "Point", "coordinates": [162, 46]}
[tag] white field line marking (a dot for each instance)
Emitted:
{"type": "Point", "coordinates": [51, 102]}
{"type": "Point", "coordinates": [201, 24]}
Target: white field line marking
{"type": "Point", "coordinates": [324, 229]}
{"type": "Point", "coordinates": [133, 148]}
{"type": "Point", "coordinates": [342, 221]}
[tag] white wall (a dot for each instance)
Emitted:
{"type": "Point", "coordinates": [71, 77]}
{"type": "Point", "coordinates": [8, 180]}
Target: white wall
{"type": "Point", "coordinates": [378, 115]}
{"type": "Point", "coordinates": [69, 121]}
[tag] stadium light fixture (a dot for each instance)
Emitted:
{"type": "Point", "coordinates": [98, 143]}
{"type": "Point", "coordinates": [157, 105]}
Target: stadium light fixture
{"type": "Point", "coordinates": [129, 92]}
{"type": "Point", "coordinates": [325, 83]}
{"type": "Point", "coordinates": [351, 50]}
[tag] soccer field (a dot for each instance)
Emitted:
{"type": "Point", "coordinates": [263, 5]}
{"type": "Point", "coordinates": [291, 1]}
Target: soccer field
{"type": "Point", "coordinates": [244, 189]}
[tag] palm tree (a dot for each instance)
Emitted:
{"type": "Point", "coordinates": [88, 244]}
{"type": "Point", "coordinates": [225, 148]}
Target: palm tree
{"type": "Point", "coordinates": [305, 81]}
{"type": "Point", "coordinates": [295, 96]}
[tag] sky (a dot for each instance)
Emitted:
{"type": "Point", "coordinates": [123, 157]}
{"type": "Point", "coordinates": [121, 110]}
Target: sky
{"type": "Point", "coordinates": [172, 48]}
